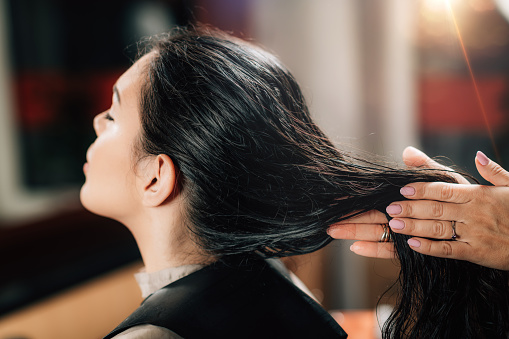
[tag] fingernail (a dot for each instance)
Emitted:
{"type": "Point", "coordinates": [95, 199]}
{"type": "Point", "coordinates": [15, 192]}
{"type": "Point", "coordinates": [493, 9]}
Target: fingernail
{"type": "Point", "coordinates": [415, 149]}
{"type": "Point", "coordinates": [482, 158]}
{"type": "Point", "coordinates": [353, 248]}
{"type": "Point", "coordinates": [414, 243]}
{"type": "Point", "coordinates": [394, 209]}
{"type": "Point", "coordinates": [407, 191]}
{"type": "Point", "coordinates": [397, 224]}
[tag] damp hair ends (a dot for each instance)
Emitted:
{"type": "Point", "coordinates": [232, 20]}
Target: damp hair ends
{"type": "Point", "coordinates": [447, 298]}
{"type": "Point", "coordinates": [259, 177]}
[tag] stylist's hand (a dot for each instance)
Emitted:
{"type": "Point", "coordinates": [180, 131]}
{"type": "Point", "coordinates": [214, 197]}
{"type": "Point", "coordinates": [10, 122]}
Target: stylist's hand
{"type": "Point", "coordinates": [367, 229]}
{"type": "Point", "coordinates": [481, 214]}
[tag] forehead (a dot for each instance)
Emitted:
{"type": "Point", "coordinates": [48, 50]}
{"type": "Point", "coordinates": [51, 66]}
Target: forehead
{"type": "Point", "coordinates": [134, 76]}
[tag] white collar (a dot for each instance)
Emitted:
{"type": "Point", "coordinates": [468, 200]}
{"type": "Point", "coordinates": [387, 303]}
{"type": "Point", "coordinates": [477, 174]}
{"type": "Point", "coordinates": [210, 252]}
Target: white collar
{"type": "Point", "coordinates": [151, 282]}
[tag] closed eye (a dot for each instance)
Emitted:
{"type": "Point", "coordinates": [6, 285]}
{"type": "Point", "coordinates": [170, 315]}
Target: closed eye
{"type": "Point", "coordinates": [107, 116]}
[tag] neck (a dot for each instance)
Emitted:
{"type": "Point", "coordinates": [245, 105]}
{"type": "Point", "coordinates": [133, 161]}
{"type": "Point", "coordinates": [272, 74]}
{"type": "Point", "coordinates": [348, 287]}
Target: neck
{"type": "Point", "coordinates": [163, 239]}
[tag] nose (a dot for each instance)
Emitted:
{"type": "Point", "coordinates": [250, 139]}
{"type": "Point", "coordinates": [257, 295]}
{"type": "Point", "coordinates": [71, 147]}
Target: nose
{"type": "Point", "coordinates": [99, 123]}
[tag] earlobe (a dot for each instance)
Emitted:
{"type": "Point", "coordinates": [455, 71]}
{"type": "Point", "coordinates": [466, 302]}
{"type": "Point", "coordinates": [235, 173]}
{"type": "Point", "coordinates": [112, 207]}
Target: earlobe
{"type": "Point", "coordinates": [159, 180]}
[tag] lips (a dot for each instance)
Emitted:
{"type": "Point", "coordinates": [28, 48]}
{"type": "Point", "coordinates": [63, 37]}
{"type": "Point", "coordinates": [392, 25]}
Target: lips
{"type": "Point", "coordinates": [86, 165]}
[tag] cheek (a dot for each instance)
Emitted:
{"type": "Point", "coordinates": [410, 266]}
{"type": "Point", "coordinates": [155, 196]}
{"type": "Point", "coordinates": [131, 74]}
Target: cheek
{"type": "Point", "coordinates": [109, 187]}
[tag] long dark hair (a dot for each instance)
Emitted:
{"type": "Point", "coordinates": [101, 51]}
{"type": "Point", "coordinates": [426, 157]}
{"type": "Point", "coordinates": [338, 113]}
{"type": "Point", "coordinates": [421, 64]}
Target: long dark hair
{"type": "Point", "coordinates": [260, 177]}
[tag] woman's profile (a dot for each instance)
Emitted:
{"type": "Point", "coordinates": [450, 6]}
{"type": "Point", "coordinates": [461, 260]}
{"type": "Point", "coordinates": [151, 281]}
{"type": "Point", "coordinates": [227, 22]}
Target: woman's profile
{"type": "Point", "coordinates": [208, 155]}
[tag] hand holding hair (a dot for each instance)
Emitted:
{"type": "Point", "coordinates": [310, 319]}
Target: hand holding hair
{"type": "Point", "coordinates": [368, 228]}
{"type": "Point", "coordinates": [476, 216]}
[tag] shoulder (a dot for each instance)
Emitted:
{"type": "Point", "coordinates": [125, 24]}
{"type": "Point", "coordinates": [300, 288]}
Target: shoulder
{"type": "Point", "coordinates": [236, 296]}
{"type": "Point", "coordinates": [147, 332]}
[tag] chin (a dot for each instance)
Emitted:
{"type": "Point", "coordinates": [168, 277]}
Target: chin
{"type": "Point", "coordinates": [84, 198]}
{"type": "Point", "coordinates": [88, 201]}
{"type": "Point", "coordinates": [101, 204]}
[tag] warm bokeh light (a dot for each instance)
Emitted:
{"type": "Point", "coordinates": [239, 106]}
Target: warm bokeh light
{"type": "Point", "coordinates": [436, 19]}
{"type": "Point", "coordinates": [436, 6]}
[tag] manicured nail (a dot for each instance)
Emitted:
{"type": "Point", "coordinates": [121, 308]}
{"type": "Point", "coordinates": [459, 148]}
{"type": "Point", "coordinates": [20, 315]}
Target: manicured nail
{"type": "Point", "coordinates": [482, 158]}
{"type": "Point", "coordinates": [407, 191]}
{"type": "Point", "coordinates": [397, 224]}
{"type": "Point", "coordinates": [414, 243]}
{"type": "Point", "coordinates": [394, 209]}
{"type": "Point", "coordinates": [415, 150]}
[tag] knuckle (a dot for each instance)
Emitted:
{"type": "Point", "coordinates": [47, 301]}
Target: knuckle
{"type": "Point", "coordinates": [407, 209]}
{"type": "Point", "coordinates": [497, 170]}
{"type": "Point", "coordinates": [439, 229]}
{"type": "Point", "coordinates": [446, 192]}
{"type": "Point", "coordinates": [446, 249]}
{"type": "Point", "coordinates": [437, 209]}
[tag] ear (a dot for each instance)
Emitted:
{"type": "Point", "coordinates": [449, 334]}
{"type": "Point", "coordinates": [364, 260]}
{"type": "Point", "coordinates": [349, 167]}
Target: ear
{"type": "Point", "coordinates": [158, 181]}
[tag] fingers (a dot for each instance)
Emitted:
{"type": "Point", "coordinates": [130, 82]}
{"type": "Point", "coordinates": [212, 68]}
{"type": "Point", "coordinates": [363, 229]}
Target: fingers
{"type": "Point", "coordinates": [370, 217]}
{"type": "Point", "coordinates": [439, 191]}
{"type": "Point", "coordinates": [491, 171]}
{"type": "Point", "coordinates": [367, 232]}
{"type": "Point", "coordinates": [383, 250]}
{"type": "Point", "coordinates": [412, 157]}
{"type": "Point", "coordinates": [436, 229]}
{"type": "Point", "coordinates": [366, 226]}
{"type": "Point", "coordinates": [442, 249]}
{"type": "Point", "coordinates": [425, 209]}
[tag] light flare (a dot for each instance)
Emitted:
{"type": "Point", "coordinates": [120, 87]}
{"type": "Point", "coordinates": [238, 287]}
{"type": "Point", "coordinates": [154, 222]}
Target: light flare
{"type": "Point", "coordinates": [474, 81]}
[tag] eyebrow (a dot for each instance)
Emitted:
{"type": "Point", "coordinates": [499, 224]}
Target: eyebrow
{"type": "Point", "coordinates": [116, 93]}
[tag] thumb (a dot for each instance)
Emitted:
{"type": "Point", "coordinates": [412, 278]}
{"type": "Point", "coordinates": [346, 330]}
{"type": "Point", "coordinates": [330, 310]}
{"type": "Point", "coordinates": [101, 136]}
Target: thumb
{"type": "Point", "coordinates": [491, 171]}
{"type": "Point", "coordinates": [412, 157]}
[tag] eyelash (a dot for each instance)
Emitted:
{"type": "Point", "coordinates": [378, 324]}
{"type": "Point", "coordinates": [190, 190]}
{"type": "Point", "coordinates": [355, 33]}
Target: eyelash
{"type": "Point", "coordinates": [107, 116]}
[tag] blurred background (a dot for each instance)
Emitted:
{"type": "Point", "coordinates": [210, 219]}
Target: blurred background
{"type": "Point", "coordinates": [378, 75]}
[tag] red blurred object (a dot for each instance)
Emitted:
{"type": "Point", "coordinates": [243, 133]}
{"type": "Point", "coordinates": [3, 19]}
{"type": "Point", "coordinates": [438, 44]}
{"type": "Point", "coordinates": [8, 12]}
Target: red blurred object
{"type": "Point", "coordinates": [450, 103]}
{"type": "Point", "coordinates": [42, 95]}
{"type": "Point", "coordinates": [37, 97]}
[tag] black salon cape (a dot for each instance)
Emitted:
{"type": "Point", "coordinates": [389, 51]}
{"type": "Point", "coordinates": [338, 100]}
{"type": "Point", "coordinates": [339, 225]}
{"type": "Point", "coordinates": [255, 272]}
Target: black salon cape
{"type": "Point", "coordinates": [235, 298]}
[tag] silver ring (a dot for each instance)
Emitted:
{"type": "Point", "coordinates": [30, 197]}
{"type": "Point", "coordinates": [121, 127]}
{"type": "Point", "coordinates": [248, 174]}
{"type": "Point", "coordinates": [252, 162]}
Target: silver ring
{"type": "Point", "coordinates": [387, 234]}
{"type": "Point", "coordinates": [454, 235]}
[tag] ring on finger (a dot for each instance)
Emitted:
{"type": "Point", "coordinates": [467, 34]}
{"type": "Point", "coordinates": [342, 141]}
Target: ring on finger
{"type": "Point", "coordinates": [387, 234]}
{"type": "Point", "coordinates": [454, 235]}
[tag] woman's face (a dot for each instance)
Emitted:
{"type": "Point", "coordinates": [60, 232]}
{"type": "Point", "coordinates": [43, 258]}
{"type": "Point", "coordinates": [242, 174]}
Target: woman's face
{"type": "Point", "coordinates": [110, 185]}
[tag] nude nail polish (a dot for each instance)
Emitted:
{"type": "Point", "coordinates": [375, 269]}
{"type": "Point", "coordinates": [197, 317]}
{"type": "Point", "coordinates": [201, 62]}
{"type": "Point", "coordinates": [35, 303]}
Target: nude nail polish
{"type": "Point", "coordinates": [414, 243]}
{"type": "Point", "coordinates": [482, 158]}
{"type": "Point", "coordinates": [394, 209]}
{"type": "Point", "coordinates": [397, 224]}
{"type": "Point", "coordinates": [407, 191]}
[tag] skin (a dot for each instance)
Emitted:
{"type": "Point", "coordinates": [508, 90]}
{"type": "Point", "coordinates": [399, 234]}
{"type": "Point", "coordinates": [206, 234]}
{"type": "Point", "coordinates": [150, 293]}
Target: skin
{"type": "Point", "coordinates": [142, 194]}
{"type": "Point", "coordinates": [481, 214]}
